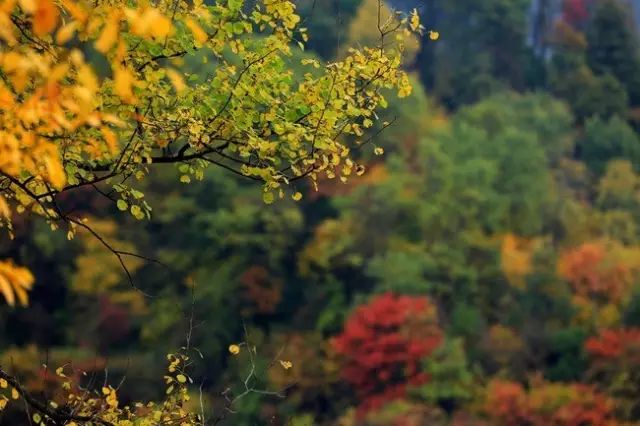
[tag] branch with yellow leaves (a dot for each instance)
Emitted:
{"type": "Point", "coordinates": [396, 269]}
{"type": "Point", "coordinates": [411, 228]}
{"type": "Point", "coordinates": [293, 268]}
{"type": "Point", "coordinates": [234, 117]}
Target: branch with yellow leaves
{"type": "Point", "coordinates": [59, 416]}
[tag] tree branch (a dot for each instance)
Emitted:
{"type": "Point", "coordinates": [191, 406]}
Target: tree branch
{"type": "Point", "coordinates": [57, 415]}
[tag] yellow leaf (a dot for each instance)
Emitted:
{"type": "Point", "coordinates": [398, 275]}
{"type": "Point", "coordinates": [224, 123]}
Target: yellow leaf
{"type": "Point", "coordinates": [3, 383]}
{"type": "Point", "coordinates": [415, 20]}
{"type": "Point", "coordinates": [176, 80]}
{"type": "Point", "coordinates": [57, 73]}
{"type": "Point", "coordinates": [6, 31]}
{"type": "Point", "coordinates": [7, 291]}
{"type": "Point", "coordinates": [378, 150]}
{"type": "Point", "coordinates": [3, 403]}
{"type": "Point", "coordinates": [14, 393]}
{"type": "Point", "coordinates": [109, 34]}
{"type": "Point", "coordinates": [106, 390]}
{"type": "Point", "coordinates": [4, 208]}
{"type": "Point", "coordinates": [29, 6]}
{"type": "Point", "coordinates": [14, 280]}
{"type": "Point", "coordinates": [123, 82]}
{"type": "Point", "coordinates": [110, 138]}
{"type": "Point", "coordinates": [110, 118]}
{"type": "Point", "coordinates": [198, 33]}
{"type": "Point", "coordinates": [161, 26]}
{"type": "Point", "coordinates": [434, 35]}
{"type": "Point", "coordinates": [76, 12]}
{"type": "Point", "coordinates": [181, 378]}
{"type": "Point", "coordinates": [66, 33]}
{"type": "Point", "coordinates": [112, 399]}
{"type": "Point", "coordinates": [286, 364]}
{"type": "Point", "coordinates": [234, 349]}
{"type": "Point", "coordinates": [148, 22]}
{"type": "Point", "coordinates": [297, 196]}
{"type": "Point", "coordinates": [45, 18]}
{"type": "Point", "coordinates": [88, 79]}
{"type": "Point", "coordinates": [55, 172]}
{"type": "Point", "coordinates": [21, 294]}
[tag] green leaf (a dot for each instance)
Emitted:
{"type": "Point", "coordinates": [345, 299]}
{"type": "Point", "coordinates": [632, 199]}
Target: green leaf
{"type": "Point", "coordinates": [238, 27]}
{"type": "Point", "coordinates": [235, 5]}
{"type": "Point", "coordinates": [122, 205]}
{"type": "Point", "coordinates": [268, 197]}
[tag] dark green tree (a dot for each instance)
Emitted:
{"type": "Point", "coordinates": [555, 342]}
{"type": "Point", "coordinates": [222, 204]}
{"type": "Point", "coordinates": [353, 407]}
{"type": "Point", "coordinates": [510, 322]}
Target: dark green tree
{"type": "Point", "coordinates": [605, 140]}
{"type": "Point", "coordinates": [481, 48]}
{"type": "Point", "coordinates": [613, 47]}
{"type": "Point", "coordinates": [570, 78]}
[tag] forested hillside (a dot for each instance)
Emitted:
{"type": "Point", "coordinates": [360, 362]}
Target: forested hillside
{"type": "Point", "coordinates": [434, 225]}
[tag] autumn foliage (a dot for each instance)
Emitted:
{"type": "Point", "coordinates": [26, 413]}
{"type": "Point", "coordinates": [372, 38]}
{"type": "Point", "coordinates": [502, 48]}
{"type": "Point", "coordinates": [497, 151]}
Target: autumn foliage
{"type": "Point", "coordinates": [516, 259]}
{"type": "Point", "coordinates": [261, 290]}
{"type": "Point", "coordinates": [620, 344]}
{"type": "Point", "coordinates": [382, 345]}
{"type": "Point", "coordinates": [510, 404]}
{"type": "Point", "coordinates": [591, 272]}
{"type": "Point", "coordinates": [445, 228]}
{"type": "Point", "coordinates": [615, 357]}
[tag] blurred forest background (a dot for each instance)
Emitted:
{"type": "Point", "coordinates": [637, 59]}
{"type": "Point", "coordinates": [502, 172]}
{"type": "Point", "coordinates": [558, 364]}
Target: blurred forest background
{"type": "Point", "coordinates": [485, 269]}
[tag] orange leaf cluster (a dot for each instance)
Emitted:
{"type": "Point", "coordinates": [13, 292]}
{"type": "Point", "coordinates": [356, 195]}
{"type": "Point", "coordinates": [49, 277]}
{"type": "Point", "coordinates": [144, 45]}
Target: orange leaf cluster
{"type": "Point", "coordinates": [615, 345]}
{"type": "Point", "coordinates": [592, 273]}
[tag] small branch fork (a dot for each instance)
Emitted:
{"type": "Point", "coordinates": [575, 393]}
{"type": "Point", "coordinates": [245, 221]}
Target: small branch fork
{"type": "Point", "coordinates": [231, 400]}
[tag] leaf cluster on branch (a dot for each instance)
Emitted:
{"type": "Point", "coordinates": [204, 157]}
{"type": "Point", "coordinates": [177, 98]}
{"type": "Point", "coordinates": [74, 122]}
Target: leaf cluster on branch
{"type": "Point", "coordinates": [70, 123]}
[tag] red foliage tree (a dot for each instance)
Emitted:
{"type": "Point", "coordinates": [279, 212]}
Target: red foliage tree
{"type": "Point", "coordinates": [575, 12]}
{"type": "Point", "coordinates": [544, 404]}
{"type": "Point", "coordinates": [615, 345]}
{"type": "Point", "coordinates": [506, 401]}
{"type": "Point", "coordinates": [615, 362]}
{"type": "Point", "coordinates": [262, 291]}
{"type": "Point", "coordinates": [382, 346]}
{"type": "Point", "coordinates": [114, 322]}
